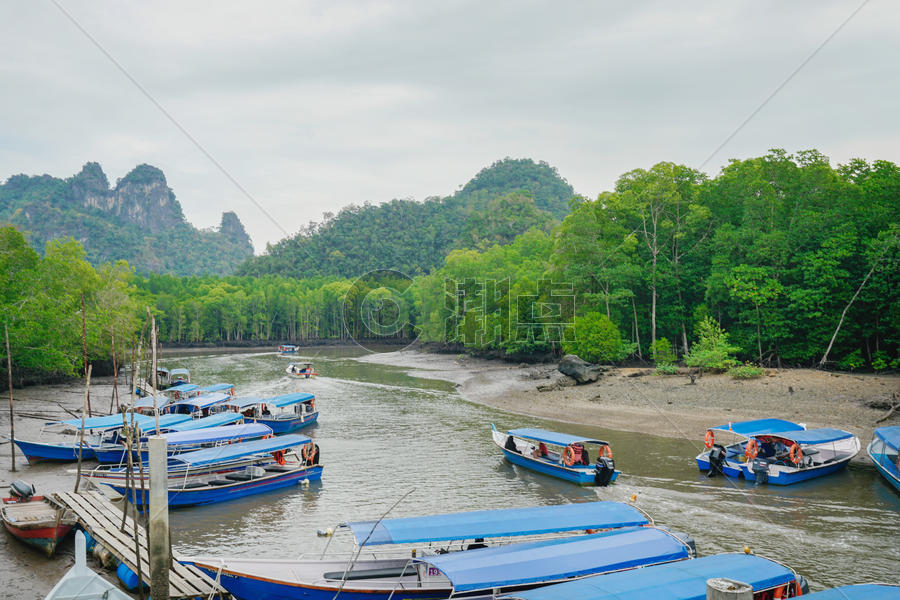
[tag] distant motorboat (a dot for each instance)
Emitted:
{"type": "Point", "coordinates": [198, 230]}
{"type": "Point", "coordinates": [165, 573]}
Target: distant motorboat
{"type": "Point", "coordinates": [559, 455]}
{"type": "Point", "coordinates": [288, 350]}
{"type": "Point", "coordinates": [301, 370]}
{"type": "Point", "coordinates": [285, 413]}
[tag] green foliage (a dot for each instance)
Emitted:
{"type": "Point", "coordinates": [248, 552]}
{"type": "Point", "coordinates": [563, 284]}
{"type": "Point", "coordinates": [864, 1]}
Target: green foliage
{"type": "Point", "coordinates": [502, 201]}
{"type": "Point", "coordinates": [139, 221]}
{"type": "Point", "coordinates": [662, 353]}
{"type": "Point", "coordinates": [852, 361]}
{"type": "Point", "coordinates": [711, 351]}
{"type": "Point", "coordinates": [746, 371]}
{"type": "Point", "coordinates": [597, 339]}
{"type": "Point", "coordinates": [666, 369]}
{"type": "Point", "coordinates": [880, 361]}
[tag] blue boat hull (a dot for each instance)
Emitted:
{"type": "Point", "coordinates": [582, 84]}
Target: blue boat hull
{"type": "Point", "coordinates": [115, 456]}
{"type": "Point", "coordinates": [729, 468]}
{"type": "Point", "coordinates": [193, 497]}
{"type": "Point", "coordinates": [580, 477]}
{"type": "Point", "coordinates": [286, 426]}
{"type": "Point", "coordinates": [261, 589]}
{"type": "Point", "coordinates": [36, 451]}
{"type": "Point", "coordinates": [891, 475]}
{"type": "Point", "coordinates": [798, 475]}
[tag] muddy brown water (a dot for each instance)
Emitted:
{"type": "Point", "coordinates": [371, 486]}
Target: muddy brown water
{"type": "Point", "coordinates": [383, 433]}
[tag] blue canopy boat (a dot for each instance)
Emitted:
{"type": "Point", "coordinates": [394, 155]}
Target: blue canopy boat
{"type": "Point", "coordinates": [283, 414]}
{"type": "Point", "coordinates": [778, 452]}
{"type": "Point", "coordinates": [567, 457]}
{"type": "Point", "coordinates": [196, 477]}
{"type": "Point", "coordinates": [727, 458]}
{"type": "Point", "coordinates": [179, 376]}
{"type": "Point", "coordinates": [99, 431]}
{"type": "Point", "coordinates": [226, 388]}
{"type": "Point", "coordinates": [472, 570]}
{"type": "Point", "coordinates": [302, 370]}
{"type": "Point", "coordinates": [114, 451]}
{"type": "Point", "coordinates": [685, 580]}
{"type": "Point", "coordinates": [866, 591]}
{"type": "Point", "coordinates": [883, 450]}
{"type": "Point", "coordinates": [287, 350]}
{"type": "Point", "coordinates": [197, 406]}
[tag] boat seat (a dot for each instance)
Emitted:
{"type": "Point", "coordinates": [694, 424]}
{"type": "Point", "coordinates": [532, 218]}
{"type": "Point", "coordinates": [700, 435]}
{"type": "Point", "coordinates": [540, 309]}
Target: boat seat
{"type": "Point", "coordinates": [220, 482]}
{"type": "Point", "coordinates": [238, 476]}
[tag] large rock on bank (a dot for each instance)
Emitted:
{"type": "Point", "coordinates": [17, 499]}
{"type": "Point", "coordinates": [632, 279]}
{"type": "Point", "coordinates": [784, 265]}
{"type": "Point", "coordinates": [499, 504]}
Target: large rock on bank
{"type": "Point", "coordinates": [579, 370]}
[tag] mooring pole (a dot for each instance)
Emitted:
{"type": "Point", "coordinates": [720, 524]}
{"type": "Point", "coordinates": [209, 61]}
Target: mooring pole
{"type": "Point", "coordinates": [84, 407]}
{"type": "Point", "coordinates": [159, 519]}
{"type": "Point", "coordinates": [728, 589]}
{"type": "Point", "coordinates": [12, 415]}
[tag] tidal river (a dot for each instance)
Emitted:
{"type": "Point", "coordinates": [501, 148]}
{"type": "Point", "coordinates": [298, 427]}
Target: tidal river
{"type": "Point", "coordinates": [384, 434]}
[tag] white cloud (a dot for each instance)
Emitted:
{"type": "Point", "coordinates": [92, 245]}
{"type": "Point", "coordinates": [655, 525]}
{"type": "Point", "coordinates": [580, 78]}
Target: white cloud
{"type": "Point", "coordinates": [315, 106]}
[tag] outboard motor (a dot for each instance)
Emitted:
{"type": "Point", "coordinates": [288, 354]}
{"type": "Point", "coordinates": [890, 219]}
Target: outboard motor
{"type": "Point", "coordinates": [804, 584]}
{"type": "Point", "coordinates": [603, 470]}
{"type": "Point", "coordinates": [21, 490]}
{"type": "Point", "coordinates": [760, 468]}
{"type": "Point", "coordinates": [716, 460]}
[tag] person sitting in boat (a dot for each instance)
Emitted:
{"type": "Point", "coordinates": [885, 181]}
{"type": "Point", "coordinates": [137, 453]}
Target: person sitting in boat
{"type": "Point", "coordinates": [585, 457]}
{"type": "Point", "coordinates": [313, 458]}
{"type": "Point", "coordinates": [265, 410]}
{"type": "Point", "coordinates": [478, 543]}
{"type": "Point", "coordinates": [511, 445]}
{"type": "Point", "coordinates": [767, 449]}
{"type": "Point", "coordinates": [542, 448]}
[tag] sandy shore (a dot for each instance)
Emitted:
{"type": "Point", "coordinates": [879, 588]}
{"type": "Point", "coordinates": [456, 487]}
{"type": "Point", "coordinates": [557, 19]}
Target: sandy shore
{"type": "Point", "coordinates": [637, 400]}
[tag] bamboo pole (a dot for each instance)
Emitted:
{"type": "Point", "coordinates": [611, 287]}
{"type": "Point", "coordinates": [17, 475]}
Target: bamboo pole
{"type": "Point", "coordinates": [115, 390]}
{"type": "Point", "coordinates": [84, 407]}
{"type": "Point", "coordinates": [12, 413]}
{"type": "Point", "coordinates": [84, 356]}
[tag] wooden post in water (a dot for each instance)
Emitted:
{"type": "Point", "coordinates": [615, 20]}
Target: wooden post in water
{"type": "Point", "coordinates": [728, 589]}
{"type": "Point", "coordinates": [159, 519]}
{"type": "Point", "coordinates": [84, 407]}
{"type": "Point", "coordinates": [12, 415]}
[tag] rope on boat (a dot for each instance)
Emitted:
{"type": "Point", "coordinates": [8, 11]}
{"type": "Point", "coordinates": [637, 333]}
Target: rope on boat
{"type": "Point", "coordinates": [352, 562]}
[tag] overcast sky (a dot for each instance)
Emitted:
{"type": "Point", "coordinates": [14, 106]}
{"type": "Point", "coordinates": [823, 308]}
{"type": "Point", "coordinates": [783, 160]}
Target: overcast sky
{"type": "Point", "coordinates": [313, 106]}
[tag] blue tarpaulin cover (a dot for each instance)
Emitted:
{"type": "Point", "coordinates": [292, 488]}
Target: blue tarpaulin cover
{"type": "Point", "coordinates": [204, 422]}
{"type": "Point", "coordinates": [289, 399]}
{"type": "Point", "coordinates": [183, 387]}
{"type": "Point", "coordinates": [759, 426]}
{"type": "Point", "coordinates": [179, 372]}
{"type": "Point", "coordinates": [868, 591]}
{"type": "Point", "coordinates": [244, 402]}
{"type": "Point", "coordinates": [209, 456]}
{"type": "Point", "coordinates": [201, 402]}
{"type": "Point", "coordinates": [550, 437]}
{"type": "Point", "coordinates": [108, 422]}
{"type": "Point", "coordinates": [498, 523]}
{"type": "Point", "coordinates": [217, 434]}
{"type": "Point", "coordinates": [553, 560]}
{"type": "Point", "coordinates": [217, 387]}
{"type": "Point", "coordinates": [684, 580]}
{"type": "Point", "coordinates": [814, 436]}
{"type": "Point", "coordinates": [165, 421]}
{"type": "Point", "coordinates": [890, 435]}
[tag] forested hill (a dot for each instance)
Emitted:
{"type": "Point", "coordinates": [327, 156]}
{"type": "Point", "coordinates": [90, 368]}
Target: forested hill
{"type": "Point", "coordinates": [502, 201]}
{"type": "Point", "coordinates": [139, 220]}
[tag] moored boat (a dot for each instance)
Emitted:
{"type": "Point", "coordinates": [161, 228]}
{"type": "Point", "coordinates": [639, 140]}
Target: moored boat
{"type": "Point", "coordinates": [229, 471]}
{"type": "Point", "coordinates": [33, 519]}
{"type": "Point", "coordinates": [283, 414]}
{"type": "Point", "coordinates": [196, 406]}
{"type": "Point", "coordinates": [81, 583]}
{"type": "Point", "coordinates": [462, 555]}
{"type": "Point", "coordinates": [224, 388]}
{"type": "Point", "coordinates": [684, 580]}
{"type": "Point", "coordinates": [560, 455]}
{"type": "Point", "coordinates": [864, 591]}
{"type": "Point", "coordinates": [726, 459]}
{"type": "Point", "coordinates": [288, 350]}
{"type": "Point", "coordinates": [883, 450]}
{"type": "Point", "coordinates": [179, 376]}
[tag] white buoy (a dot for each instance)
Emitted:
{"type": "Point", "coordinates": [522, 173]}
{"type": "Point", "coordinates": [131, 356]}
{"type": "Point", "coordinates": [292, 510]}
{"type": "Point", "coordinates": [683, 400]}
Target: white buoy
{"type": "Point", "coordinates": [304, 482]}
{"type": "Point", "coordinates": [728, 589]}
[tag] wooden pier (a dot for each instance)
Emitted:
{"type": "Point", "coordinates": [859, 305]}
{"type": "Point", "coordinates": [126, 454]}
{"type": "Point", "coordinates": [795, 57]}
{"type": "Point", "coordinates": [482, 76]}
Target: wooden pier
{"type": "Point", "coordinates": [100, 518]}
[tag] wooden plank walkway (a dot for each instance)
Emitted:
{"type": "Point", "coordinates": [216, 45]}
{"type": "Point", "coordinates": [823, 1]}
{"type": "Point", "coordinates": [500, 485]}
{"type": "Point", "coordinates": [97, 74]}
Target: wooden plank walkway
{"type": "Point", "coordinates": [99, 517]}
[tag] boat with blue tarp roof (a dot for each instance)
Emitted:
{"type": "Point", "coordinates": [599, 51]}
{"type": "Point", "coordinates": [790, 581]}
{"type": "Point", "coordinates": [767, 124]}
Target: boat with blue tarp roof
{"type": "Point", "coordinates": [560, 455]}
{"type": "Point", "coordinates": [884, 450]}
{"type": "Point", "coordinates": [283, 414]}
{"type": "Point", "coordinates": [684, 580]}
{"type": "Point", "coordinates": [98, 433]}
{"type": "Point", "coordinates": [469, 555]}
{"type": "Point", "coordinates": [198, 406]}
{"type": "Point", "coordinates": [864, 591]}
{"type": "Point", "coordinates": [179, 376]}
{"type": "Point", "coordinates": [227, 471]}
{"type": "Point", "coordinates": [777, 452]}
{"type": "Point", "coordinates": [226, 388]}
{"type": "Point", "coordinates": [288, 350]}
